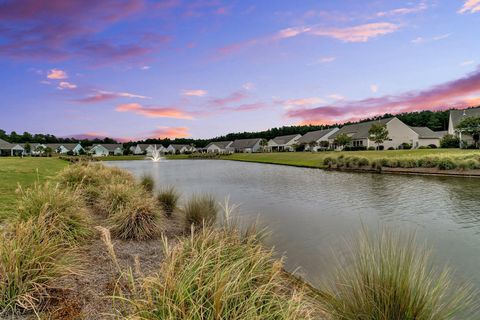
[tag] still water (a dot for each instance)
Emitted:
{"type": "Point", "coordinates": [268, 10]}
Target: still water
{"type": "Point", "coordinates": [310, 213]}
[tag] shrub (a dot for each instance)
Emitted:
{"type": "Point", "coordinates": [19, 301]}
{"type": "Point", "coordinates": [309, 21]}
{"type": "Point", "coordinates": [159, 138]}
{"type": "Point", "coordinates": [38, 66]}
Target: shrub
{"type": "Point", "coordinates": [137, 220]}
{"type": "Point", "coordinates": [390, 148]}
{"type": "Point", "coordinates": [391, 277]}
{"type": "Point", "coordinates": [30, 258]}
{"type": "Point", "coordinates": [449, 141]}
{"type": "Point", "coordinates": [147, 183]}
{"type": "Point", "coordinates": [201, 210]}
{"type": "Point", "coordinates": [168, 198]}
{"type": "Point", "coordinates": [219, 275]}
{"type": "Point", "coordinates": [407, 163]}
{"type": "Point", "coordinates": [469, 164]}
{"type": "Point", "coordinates": [446, 164]}
{"type": "Point", "coordinates": [116, 196]}
{"type": "Point", "coordinates": [363, 162]}
{"type": "Point", "coordinates": [329, 161]}
{"type": "Point", "coordinates": [371, 148]}
{"type": "Point", "coordinates": [428, 162]}
{"type": "Point", "coordinates": [433, 146]}
{"type": "Point", "coordinates": [405, 145]}
{"type": "Point", "coordinates": [61, 209]}
{"type": "Point", "coordinates": [391, 163]}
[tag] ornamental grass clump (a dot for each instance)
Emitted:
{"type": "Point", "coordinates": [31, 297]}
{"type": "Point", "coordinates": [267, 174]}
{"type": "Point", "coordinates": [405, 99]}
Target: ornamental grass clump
{"type": "Point", "coordinates": [201, 209]}
{"type": "Point", "coordinates": [329, 162]}
{"type": "Point", "coordinates": [407, 163]}
{"type": "Point", "coordinates": [30, 259]}
{"type": "Point", "coordinates": [218, 274]}
{"type": "Point", "coordinates": [428, 162]}
{"type": "Point", "coordinates": [446, 164]}
{"type": "Point", "coordinates": [62, 209]}
{"type": "Point", "coordinates": [392, 278]}
{"type": "Point", "coordinates": [469, 164]}
{"type": "Point", "coordinates": [147, 182]}
{"type": "Point", "coordinates": [138, 219]}
{"type": "Point", "coordinates": [168, 199]}
{"type": "Point", "coordinates": [363, 162]}
{"type": "Point", "coordinates": [114, 197]}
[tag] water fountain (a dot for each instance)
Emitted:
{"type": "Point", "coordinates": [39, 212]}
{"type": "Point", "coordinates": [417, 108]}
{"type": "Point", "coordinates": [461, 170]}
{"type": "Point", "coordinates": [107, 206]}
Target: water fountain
{"type": "Point", "coordinates": [156, 155]}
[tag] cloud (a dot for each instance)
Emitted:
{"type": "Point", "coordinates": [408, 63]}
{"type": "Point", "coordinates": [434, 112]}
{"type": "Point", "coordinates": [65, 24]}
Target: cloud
{"type": "Point", "coordinates": [57, 74]}
{"type": "Point", "coordinates": [457, 93]}
{"type": "Point", "coordinates": [470, 6]}
{"type": "Point", "coordinates": [374, 88]}
{"type": "Point", "coordinates": [419, 40]}
{"type": "Point", "coordinates": [66, 85]}
{"type": "Point", "coordinates": [234, 97]}
{"type": "Point", "coordinates": [467, 63]}
{"type": "Point", "coordinates": [301, 102]}
{"type": "Point", "coordinates": [403, 11]}
{"type": "Point", "coordinates": [325, 60]}
{"type": "Point", "coordinates": [248, 86]}
{"type": "Point", "coordinates": [101, 96]}
{"type": "Point", "coordinates": [335, 96]}
{"type": "Point", "coordinates": [154, 111]}
{"type": "Point", "coordinates": [195, 93]}
{"type": "Point", "coordinates": [249, 106]}
{"type": "Point", "coordinates": [145, 67]}
{"type": "Point", "coordinates": [170, 132]}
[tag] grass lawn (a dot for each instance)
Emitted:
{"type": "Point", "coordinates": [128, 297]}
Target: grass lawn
{"type": "Point", "coordinates": [315, 159]}
{"type": "Point", "coordinates": [26, 171]}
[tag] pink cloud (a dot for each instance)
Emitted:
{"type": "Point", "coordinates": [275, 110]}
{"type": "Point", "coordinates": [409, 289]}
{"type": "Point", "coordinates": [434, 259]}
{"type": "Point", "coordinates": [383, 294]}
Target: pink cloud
{"type": "Point", "coordinates": [234, 97]}
{"type": "Point", "coordinates": [66, 85]}
{"type": "Point", "coordinates": [405, 10]}
{"type": "Point", "coordinates": [101, 96]}
{"type": "Point", "coordinates": [170, 132]}
{"type": "Point", "coordinates": [195, 92]}
{"type": "Point", "coordinates": [457, 93]}
{"type": "Point", "coordinates": [470, 6]}
{"type": "Point", "coordinates": [154, 112]}
{"type": "Point", "coordinates": [57, 74]}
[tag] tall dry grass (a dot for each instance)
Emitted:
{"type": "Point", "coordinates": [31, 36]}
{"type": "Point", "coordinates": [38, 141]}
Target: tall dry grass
{"type": "Point", "coordinates": [201, 209]}
{"type": "Point", "coordinates": [147, 182]}
{"type": "Point", "coordinates": [392, 278]}
{"type": "Point", "coordinates": [168, 198]}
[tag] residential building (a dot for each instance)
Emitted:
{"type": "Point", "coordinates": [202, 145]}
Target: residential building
{"type": "Point", "coordinates": [103, 150]}
{"type": "Point", "coordinates": [283, 143]}
{"type": "Point", "coordinates": [180, 148]}
{"type": "Point", "coordinates": [147, 149]}
{"type": "Point", "coordinates": [456, 116]}
{"type": "Point", "coordinates": [313, 139]}
{"type": "Point", "coordinates": [6, 148]}
{"type": "Point", "coordinates": [63, 148]}
{"type": "Point", "coordinates": [426, 137]}
{"type": "Point", "coordinates": [218, 147]}
{"type": "Point", "coordinates": [246, 145]}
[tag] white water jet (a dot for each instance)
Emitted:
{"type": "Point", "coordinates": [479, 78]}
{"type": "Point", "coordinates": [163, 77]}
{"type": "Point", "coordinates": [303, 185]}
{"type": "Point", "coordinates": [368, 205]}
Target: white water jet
{"type": "Point", "coordinates": [156, 155]}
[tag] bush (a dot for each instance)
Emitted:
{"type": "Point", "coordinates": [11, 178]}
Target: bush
{"type": "Point", "coordinates": [405, 145]}
{"type": "Point", "coordinates": [407, 163]}
{"type": "Point", "coordinates": [30, 259]}
{"type": "Point", "coordinates": [201, 210]}
{"type": "Point", "coordinates": [391, 163]}
{"type": "Point", "coordinates": [147, 183]}
{"type": "Point", "coordinates": [61, 209]}
{"type": "Point", "coordinates": [446, 164]}
{"type": "Point", "coordinates": [329, 161]}
{"type": "Point", "coordinates": [168, 198]}
{"type": "Point", "coordinates": [469, 164]}
{"type": "Point", "coordinates": [219, 275]}
{"type": "Point", "coordinates": [390, 148]}
{"type": "Point", "coordinates": [115, 197]}
{"type": "Point", "coordinates": [428, 162]}
{"type": "Point", "coordinates": [363, 162]}
{"type": "Point", "coordinates": [390, 277]}
{"type": "Point", "coordinates": [371, 148]}
{"type": "Point", "coordinates": [137, 220]}
{"type": "Point", "coordinates": [433, 146]}
{"type": "Point", "coordinates": [449, 141]}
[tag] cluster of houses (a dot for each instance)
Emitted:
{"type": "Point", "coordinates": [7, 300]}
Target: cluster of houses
{"type": "Point", "coordinates": [399, 134]}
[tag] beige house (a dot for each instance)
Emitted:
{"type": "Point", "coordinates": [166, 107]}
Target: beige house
{"type": "Point", "coordinates": [313, 139]}
{"type": "Point", "coordinates": [426, 137]}
{"type": "Point", "coordinates": [246, 145]}
{"type": "Point", "coordinates": [456, 116]}
{"type": "Point", "coordinates": [283, 143]}
{"type": "Point", "coordinates": [219, 147]}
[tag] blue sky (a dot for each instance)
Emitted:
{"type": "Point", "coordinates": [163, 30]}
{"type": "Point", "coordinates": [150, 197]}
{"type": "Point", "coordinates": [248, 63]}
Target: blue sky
{"type": "Point", "coordinates": [138, 69]}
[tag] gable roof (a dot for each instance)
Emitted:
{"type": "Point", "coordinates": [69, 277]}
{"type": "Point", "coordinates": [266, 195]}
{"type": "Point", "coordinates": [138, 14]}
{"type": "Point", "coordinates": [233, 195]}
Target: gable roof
{"type": "Point", "coordinates": [179, 146]}
{"type": "Point", "coordinates": [285, 139]}
{"type": "Point", "coordinates": [110, 146]}
{"type": "Point", "coordinates": [220, 144]}
{"type": "Point", "coordinates": [359, 130]}
{"type": "Point", "coordinates": [314, 136]}
{"type": "Point", "coordinates": [244, 143]}
{"type": "Point", "coordinates": [425, 133]}
{"type": "Point", "coordinates": [5, 145]}
{"type": "Point", "coordinates": [459, 115]}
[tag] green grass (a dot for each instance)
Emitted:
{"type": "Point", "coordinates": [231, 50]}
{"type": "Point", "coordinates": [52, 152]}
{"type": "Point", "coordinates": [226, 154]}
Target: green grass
{"type": "Point", "coordinates": [26, 172]}
{"type": "Point", "coordinates": [315, 159]}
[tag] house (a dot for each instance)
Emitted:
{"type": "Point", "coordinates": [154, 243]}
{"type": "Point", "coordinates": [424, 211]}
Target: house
{"type": "Point", "coordinates": [6, 148]}
{"type": "Point", "coordinates": [37, 149]}
{"type": "Point", "coordinates": [180, 148]}
{"type": "Point", "coordinates": [456, 116]}
{"type": "Point", "coordinates": [63, 148]}
{"type": "Point", "coordinates": [246, 145]}
{"type": "Point", "coordinates": [218, 147]}
{"type": "Point", "coordinates": [143, 148]}
{"type": "Point", "coordinates": [283, 143]}
{"type": "Point", "coordinates": [103, 150]}
{"type": "Point", "coordinates": [398, 133]}
{"type": "Point", "coordinates": [426, 137]}
{"type": "Point", "coordinates": [313, 139]}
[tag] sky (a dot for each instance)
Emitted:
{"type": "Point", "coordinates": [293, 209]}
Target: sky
{"type": "Point", "coordinates": [137, 69]}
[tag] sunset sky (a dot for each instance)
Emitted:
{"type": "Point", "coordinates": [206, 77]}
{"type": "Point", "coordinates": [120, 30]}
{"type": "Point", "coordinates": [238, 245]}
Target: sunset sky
{"type": "Point", "coordinates": [139, 69]}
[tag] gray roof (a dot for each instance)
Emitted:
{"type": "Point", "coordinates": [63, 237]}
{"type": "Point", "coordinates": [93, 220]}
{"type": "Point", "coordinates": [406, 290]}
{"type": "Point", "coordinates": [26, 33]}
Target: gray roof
{"type": "Point", "coordinates": [68, 146]}
{"type": "Point", "coordinates": [425, 133]}
{"type": "Point", "coordinates": [220, 144]}
{"type": "Point", "coordinates": [110, 146]}
{"type": "Point", "coordinates": [180, 146]}
{"type": "Point", "coordinates": [359, 130]}
{"type": "Point", "coordinates": [4, 145]}
{"type": "Point", "coordinates": [245, 143]}
{"type": "Point", "coordinates": [459, 115]}
{"type": "Point", "coordinates": [441, 134]}
{"type": "Point", "coordinates": [284, 139]}
{"type": "Point", "coordinates": [314, 136]}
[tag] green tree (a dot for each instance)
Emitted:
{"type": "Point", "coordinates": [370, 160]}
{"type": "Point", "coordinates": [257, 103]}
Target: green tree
{"type": "Point", "coordinates": [378, 133]}
{"type": "Point", "coordinates": [449, 141]}
{"type": "Point", "coordinates": [343, 139]}
{"type": "Point", "coordinates": [27, 148]}
{"type": "Point", "coordinates": [471, 126]}
{"type": "Point", "coordinates": [263, 144]}
{"type": "Point", "coordinates": [312, 145]}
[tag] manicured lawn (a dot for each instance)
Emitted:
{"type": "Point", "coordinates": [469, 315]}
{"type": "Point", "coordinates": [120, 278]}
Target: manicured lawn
{"type": "Point", "coordinates": [26, 172]}
{"type": "Point", "coordinates": [315, 159]}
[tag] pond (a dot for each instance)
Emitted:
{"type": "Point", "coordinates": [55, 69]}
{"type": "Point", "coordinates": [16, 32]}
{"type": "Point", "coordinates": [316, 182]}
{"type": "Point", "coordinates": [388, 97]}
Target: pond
{"type": "Point", "coordinates": [310, 212]}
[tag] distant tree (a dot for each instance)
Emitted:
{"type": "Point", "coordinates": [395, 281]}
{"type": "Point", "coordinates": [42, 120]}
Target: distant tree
{"type": "Point", "coordinates": [263, 144]}
{"type": "Point", "coordinates": [324, 144]}
{"type": "Point", "coordinates": [378, 133]}
{"type": "Point", "coordinates": [27, 147]}
{"type": "Point", "coordinates": [312, 145]}
{"type": "Point", "coordinates": [48, 151]}
{"type": "Point", "coordinates": [449, 141]}
{"type": "Point", "coordinates": [343, 139]}
{"type": "Point", "coordinates": [471, 126]}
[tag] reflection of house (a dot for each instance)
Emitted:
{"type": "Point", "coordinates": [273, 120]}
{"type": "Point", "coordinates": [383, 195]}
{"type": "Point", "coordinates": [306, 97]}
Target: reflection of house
{"type": "Point", "coordinates": [102, 150]}
{"type": "Point", "coordinates": [246, 145]}
{"type": "Point", "coordinates": [313, 139]}
{"type": "Point", "coordinates": [283, 143]}
{"type": "Point", "coordinates": [398, 133]}
{"type": "Point", "coordinates": [218, 147]}
{"type": "Point", "coordinates": [456, 116]}
{"type": "Point", "coordinates": [180, 148]}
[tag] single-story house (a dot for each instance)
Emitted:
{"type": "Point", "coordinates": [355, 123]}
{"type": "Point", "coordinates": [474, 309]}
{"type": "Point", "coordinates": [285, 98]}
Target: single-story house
{"type": "Point", "coordinates": [6, 148]}
{"type": "Point", "coordinates": [219, 147]}
{"type": "Point", "coordinates": [37, 149]}
{"type": "Point", "coordinates": [283, 143]}
{"type": "Point", "coordinates": [180, 148]}
{"type": "Point", "coordinates": [103, 150]}
{"type": "Point", "coordinates": [246, 145]}
{"type": "Point", "coordinates": [144, 148]}
{"type": "Point", "coordinates": [398, 133]}
{"type": "Point", "coordinates": [312, 139]}
{"type": "Point", "coordinates": [426, 137]}
{"type": "Point", "coordinates": [63, 148]}
{"type": "Point", "coordinates": [456, 116]}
